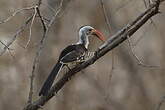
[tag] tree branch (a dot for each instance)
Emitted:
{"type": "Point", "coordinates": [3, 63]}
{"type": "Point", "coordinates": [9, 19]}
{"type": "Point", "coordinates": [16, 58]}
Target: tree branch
{"type": "Point", "coordinates": [111, 43]}
{"type": "Point", "coordinates": [15, 13]}
{"type": "Point", "coordinates": [20, 29]}
{"type": "Point", "coordinates": [41, 44]}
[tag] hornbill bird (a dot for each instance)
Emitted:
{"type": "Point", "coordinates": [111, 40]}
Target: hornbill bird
{"type": "Point", "coordinates": [75, 53]}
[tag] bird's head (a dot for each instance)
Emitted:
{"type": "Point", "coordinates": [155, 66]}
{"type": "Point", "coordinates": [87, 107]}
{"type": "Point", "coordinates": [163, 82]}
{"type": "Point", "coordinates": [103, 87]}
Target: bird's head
{"type": "Point", "coordinates": [87, 31]}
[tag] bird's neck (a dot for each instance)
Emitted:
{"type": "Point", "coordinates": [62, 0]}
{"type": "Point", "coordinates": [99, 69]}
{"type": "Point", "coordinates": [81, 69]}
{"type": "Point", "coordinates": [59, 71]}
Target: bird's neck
{"type": "Point", "coordinates": [83, 39]}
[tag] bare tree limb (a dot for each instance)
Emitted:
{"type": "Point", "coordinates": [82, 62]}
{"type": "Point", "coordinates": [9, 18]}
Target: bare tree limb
{"type": "Point", "coordinates": [16, 12]}
{"type": "Point", "coordinates": [36, 11]}
{"type": "Point", "coordinates": [56, 14]}
{"type": "Point", "coordinates": [21, 29]}
{"type": "Point", "coordinates": [30, 28]}
{"type": "Point", "coordinates": [6, 47]}
{"type": "Point", "coordinates": [111, 43]}
{"type": "Point", "coordinates": [41, 45]}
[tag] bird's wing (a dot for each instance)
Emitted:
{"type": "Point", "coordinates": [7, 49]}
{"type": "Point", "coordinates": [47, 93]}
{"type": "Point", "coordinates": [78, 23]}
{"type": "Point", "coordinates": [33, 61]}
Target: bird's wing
{"type": "Point", "coordinates": [75, 53]}
{"type": "Point", "coordinates": [71, 57]}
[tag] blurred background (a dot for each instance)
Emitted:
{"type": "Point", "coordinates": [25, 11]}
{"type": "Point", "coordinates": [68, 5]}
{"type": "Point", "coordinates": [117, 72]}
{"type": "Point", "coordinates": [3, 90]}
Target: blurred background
{"type": "Point", "coordinates": [114, 82]}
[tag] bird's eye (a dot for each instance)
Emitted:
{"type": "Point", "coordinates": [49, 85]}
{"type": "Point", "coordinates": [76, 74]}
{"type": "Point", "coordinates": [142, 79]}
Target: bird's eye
{"type": "Point", "coordinates": [89, 31]}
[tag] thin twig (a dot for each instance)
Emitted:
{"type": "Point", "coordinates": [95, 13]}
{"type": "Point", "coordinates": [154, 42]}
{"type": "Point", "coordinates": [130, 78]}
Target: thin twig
{"type": "Point", "coordinates": [4, 45]}
{"type": "Point", "coordinates": [30, 28]}
{"type": "Point", "coordinates": [41, 19]}
{"type": "Point", "coordinates": [46, 29]}
{"type": "Point", "coordinates": [9, 49]}
{"type": "Point", "coordinates": [140, 62]}
{"type": "Point", "coordinates": [41, 45]}
{"type": "Point", "coordinates": [141, 36]}
{"type": "Point", "coordinates": [152, 22]}
{"type": "Point", "coordinates": [105, 16]}
{"type": "Point", "coordinates": [109, 30]}
{"type": "Point", "coordinates": [145, 3]}
{"type": "Point", "coordinates": [16, 12]}
{"type": "Point", "coordinates": [49, 7]}
{"type": "Point", "coordinates": [32, 75]}
{"type": "Point", "coordinates": [35, 62]}
{"type": "Point", "coordinates": [56, 14]}
{"type": "Point", "coordinates": [16, 35]}
{"type": "Point", "coordinates": [146, 6]}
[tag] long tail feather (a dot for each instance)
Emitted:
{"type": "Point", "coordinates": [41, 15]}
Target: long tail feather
{"type": "Point", "coordinates": [49, 81]}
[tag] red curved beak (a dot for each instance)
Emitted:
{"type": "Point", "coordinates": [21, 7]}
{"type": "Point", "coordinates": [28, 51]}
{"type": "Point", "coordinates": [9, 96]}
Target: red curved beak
{"type": "Point", "coordinates": [98, 34]}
